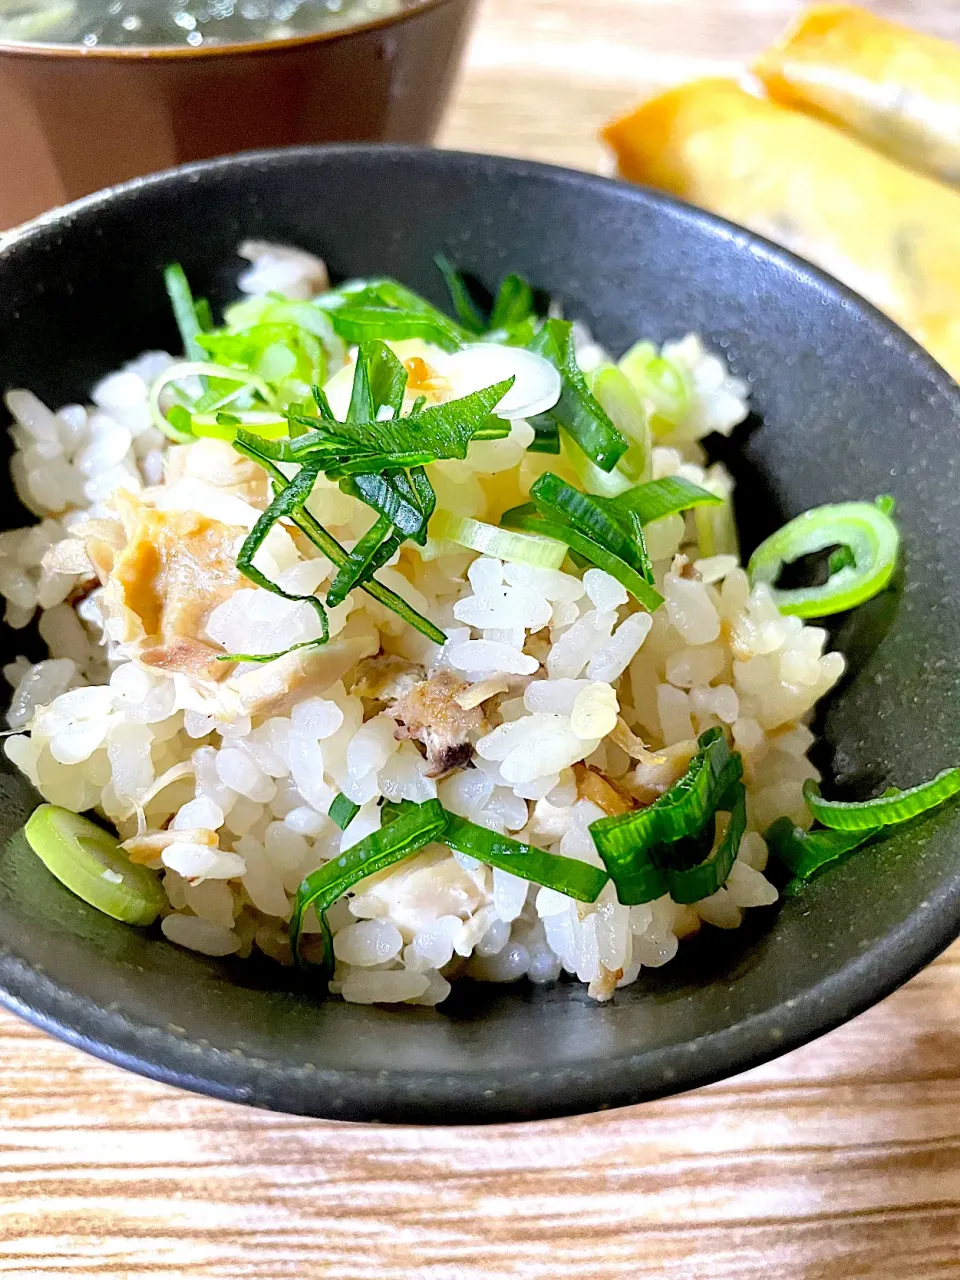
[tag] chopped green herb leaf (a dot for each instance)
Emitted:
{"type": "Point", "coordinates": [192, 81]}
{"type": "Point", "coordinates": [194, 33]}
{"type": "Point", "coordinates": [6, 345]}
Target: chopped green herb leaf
{"type": "Point", "coordinates": [578, 411]}
{"type": "Point", "coordinates": [184, 311]}
{"type": "Point", "coordinates": [286, 503]}
{"type": "Point", "coordinates": [463, 304]}
{"type": "Point", "coordinates": [566, 875]}
{"type": "Point", "coordinates": [415, 826]}
{"type": "Point", "coordinates": [331, 548]}
{"type": "Point", "coordinates": [342, 811]}
{"type": "Point", "coordinates": [513, 305]}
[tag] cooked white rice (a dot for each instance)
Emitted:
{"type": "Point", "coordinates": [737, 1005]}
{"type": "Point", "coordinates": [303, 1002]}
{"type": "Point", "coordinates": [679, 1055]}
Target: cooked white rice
{"type": "Point", "coordinates": [567, 668]}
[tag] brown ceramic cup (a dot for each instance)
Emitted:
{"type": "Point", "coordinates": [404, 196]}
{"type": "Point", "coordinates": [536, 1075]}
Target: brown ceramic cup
{"type": "Point", "coordinates": [74, 120]}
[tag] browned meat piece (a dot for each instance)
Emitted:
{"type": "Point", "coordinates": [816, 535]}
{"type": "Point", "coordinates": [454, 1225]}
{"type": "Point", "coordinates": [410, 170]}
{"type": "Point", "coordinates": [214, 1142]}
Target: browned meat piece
{"type": "Point", "coordinates": [592, 785]}
{"type": "Point", "coordinates": [385, 677]}
{"type": "Point", "coordinates": [602, 988]}
{"type": "Point", "coordinates": [430, 713]}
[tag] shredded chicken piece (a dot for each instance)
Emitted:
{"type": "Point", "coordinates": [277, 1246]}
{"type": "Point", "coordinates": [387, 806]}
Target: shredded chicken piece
{"type": "Point", "coordinates": [272, 689]}
{"type": "Point", "coordinates": [313, 269]}
{"type": "Point", "coordinates": [148, 847]}
{"type": "Point", "coordinates": [683, 568]}
{"type": "Point", "coordinates": [602, 988]}
{"type": "Point", "coordinates": [163, 584]}
{"type": "Point", "coordinates": [218, 464]}
{"type": "Point", "coordinates": [101, 541]}
{"type": "Point", "coordinates": [431, 714]}
{"type": "Point", "coordinates": [478, 693]}
{"type": "Point", "coordinates": [624, 737]}
{"type": "Point", "coordinates": [650, 781]}
{"type": "Point", "coordinates": [386, 677]}
{"type": "Point", "coordinates": [592, 785]}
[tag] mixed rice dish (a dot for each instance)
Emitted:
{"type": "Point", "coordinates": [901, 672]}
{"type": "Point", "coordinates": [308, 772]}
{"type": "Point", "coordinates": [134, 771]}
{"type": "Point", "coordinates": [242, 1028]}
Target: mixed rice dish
{"type": "Point", "coordinates": [408, 648]}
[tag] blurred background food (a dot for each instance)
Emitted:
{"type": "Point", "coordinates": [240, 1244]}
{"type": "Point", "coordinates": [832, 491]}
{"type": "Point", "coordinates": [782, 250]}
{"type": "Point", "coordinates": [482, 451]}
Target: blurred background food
{"type": "Point", "coordinates": [827, 175]}
{"type": "Point", "coordinates": [895, 88]}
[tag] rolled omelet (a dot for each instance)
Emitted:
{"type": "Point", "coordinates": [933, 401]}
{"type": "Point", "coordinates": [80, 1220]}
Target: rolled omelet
{"type": "Point", "coordinates": [895, 88]}
{"type": "Point", "coordinates": [890, 234]}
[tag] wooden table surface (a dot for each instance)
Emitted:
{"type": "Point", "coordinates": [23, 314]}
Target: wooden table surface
{"type": "Point", "coordinates": [839, 1160]}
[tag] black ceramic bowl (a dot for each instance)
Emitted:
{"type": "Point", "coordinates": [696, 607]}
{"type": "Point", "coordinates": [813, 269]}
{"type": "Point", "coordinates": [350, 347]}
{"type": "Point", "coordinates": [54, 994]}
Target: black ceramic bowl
{"type": "Point", "coordinates": [846, 407]}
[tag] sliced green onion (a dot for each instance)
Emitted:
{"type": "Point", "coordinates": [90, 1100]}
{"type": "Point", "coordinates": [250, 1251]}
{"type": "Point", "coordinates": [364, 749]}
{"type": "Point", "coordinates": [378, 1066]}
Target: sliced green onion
{"type": "Point", "coordinates": [223, 426]}
{"type": "Point", "coordinates": [632, 844]}
{"type": "Point", "coordinates": [659, 498]}
{"type": "Point", "coordinates": [184, 310]}
{"type": "Point", "coordinates": [597, 483]}
{"type": "Point", "coordinates": [663, 382]}
{"type": "Point", "coordinates": [463, 304]}
{"type": "Point", "coordinates": [693, 883]}
{"type": "Point", "coordinates": [199, 368]}
{"type": "Point", "coordinates": [90, 862]}
{"type": "Point", "coordinates": [546, 434]}
{"type": "Point", "coordinates": [842, 558]}
{"type": "Point", "coordinates": [806, 852]}
{"type": "Point", "coordinates": [566, 875]}
{"type": "Point", "coordinates": [578, 411]}
{"type": "Point", "coordinates": [515, 548]}
{"type": "Point", "coordinates": [717, 528]}
{"type": "Point", "coordinates": [892, 807]}
{"type": "Point", "coordinates": [592, 529]}
{"type": "Point", "coordinates": [513, 304]}
{"type": "Point", "coordinates": [342, 811]}
{"type": "Point", "coordinates": [863, 527]}
{"type": "Point", "coordinates": [616, 395]}
{"type": "Point", "coordinates": [415, 826]}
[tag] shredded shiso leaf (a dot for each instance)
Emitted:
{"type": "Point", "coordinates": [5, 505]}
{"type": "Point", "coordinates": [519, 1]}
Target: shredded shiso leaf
{"type": "Point", "coordinates": [566, 875]}
{"type": "Point", "coordinates": [414, 826]}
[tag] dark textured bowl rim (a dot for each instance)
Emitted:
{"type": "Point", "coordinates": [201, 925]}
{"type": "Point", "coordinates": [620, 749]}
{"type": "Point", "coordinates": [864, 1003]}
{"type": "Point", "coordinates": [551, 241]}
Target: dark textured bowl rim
{"type": "Point", "coordinates": [170, 52]}
{"type": "Point", "coordinates": [859, 984]}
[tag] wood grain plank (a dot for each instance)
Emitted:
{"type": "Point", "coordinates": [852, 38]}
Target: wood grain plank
{"type": "Point", "coordinates": [840, 1160]}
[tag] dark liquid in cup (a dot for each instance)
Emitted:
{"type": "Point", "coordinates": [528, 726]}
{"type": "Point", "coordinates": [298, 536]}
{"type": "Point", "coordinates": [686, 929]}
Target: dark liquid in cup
{"type": "Point", "coordinates": [96, 23]}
